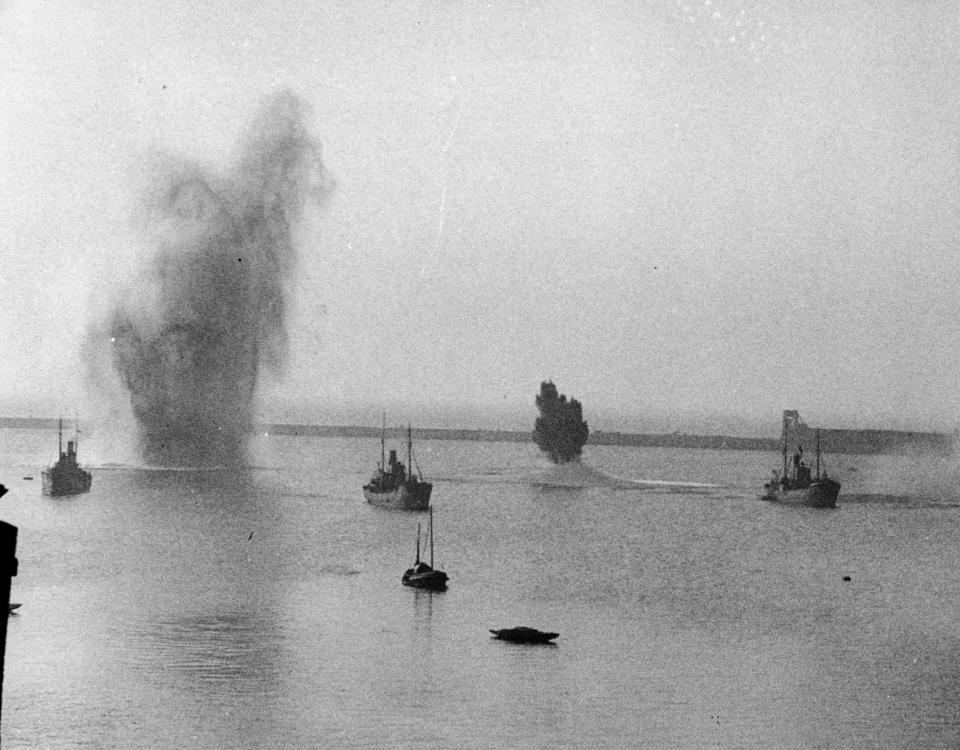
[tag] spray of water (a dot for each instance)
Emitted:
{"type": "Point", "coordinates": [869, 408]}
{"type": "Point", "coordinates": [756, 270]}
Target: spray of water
{"type": "Point", "coordinates": [191, 336]}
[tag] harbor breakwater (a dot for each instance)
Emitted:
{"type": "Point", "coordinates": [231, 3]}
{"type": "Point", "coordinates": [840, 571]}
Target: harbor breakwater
{"type": "Point", "coordinates": [832, 440]}
{"type": "Point", "coordinates": [854, 442]}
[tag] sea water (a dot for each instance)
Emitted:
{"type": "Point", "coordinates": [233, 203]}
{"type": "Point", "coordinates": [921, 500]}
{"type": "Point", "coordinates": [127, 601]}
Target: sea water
{"type": "Point", "coordinates": [263, 609]}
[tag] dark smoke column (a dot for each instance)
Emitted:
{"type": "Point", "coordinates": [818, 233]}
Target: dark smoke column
{"type": "Point", "coordinates": [560, 430]}
{"type": "Point", "coordinates": [191, 338]}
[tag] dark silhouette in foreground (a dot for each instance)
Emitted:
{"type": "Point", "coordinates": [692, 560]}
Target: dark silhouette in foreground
{"type": "Point", "coordinates": [8, 569]}
{"type": "Point", "coordinates": [560, 430]}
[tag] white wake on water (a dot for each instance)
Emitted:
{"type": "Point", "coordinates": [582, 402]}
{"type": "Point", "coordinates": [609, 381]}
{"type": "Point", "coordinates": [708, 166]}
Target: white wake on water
{"type": "Point", "coordinates": [578, 474]}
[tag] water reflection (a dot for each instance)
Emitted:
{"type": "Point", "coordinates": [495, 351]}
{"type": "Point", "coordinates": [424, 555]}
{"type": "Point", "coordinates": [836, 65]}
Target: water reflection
{"type": "Point", "coordinates": [337, 569]}
{"type": "Point", "coordinates": [423, 611]}
{"type": "Point", "coordinates": [937, 500]}
{"type": "Point", "coordinates": [223, 651]}
{"type": "Point", "coordinates": [153, 618]}
{"type": "Point", "coordinates": [192, 480]}
{"type": "Point", "coordinates": [195, 576]}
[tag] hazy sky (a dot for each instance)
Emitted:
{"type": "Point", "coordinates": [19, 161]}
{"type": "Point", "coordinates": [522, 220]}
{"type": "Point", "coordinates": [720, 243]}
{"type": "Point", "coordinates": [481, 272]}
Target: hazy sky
{"type": "Point", "coordinates": [703, 206]}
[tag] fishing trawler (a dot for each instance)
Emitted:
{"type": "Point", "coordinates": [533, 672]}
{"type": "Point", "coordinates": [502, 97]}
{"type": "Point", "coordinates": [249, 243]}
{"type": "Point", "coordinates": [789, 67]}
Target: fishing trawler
{"type": "Point", "coordinates": [66, 477]}
{"type": "Point", "coordinates": [421, 575]}
{"type": "Point", "coordinates": [394, 485]}
{"type": "Point", "coordinates": [797, 484]}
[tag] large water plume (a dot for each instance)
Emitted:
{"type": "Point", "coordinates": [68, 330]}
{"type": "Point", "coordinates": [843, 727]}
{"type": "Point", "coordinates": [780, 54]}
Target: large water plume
{"type": "Point", "coordinates": [560, 431]}
{"type": "Point", "coordinates": [192, 335]}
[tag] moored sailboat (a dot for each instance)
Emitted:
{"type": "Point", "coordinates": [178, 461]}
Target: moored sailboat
{"type": "Point", "coordinates": [421, 575]}
{"type": "Point", "coordinates": [797, 484]}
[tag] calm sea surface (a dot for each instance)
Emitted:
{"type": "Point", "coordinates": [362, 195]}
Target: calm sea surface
{"type": "Point", "coordinates": [690, 617]}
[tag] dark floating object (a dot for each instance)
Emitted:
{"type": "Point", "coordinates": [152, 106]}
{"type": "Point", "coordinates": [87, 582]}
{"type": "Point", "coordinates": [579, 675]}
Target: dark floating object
{"type": "Point", "coordinates": [29, 479]}
{"type": "Point", "coordinates": [66, 477]}
{"type": "Point", "coordinates": [524, 634]}
{"type": "Point", "coordinates": [13, 606]}
{"type": "Point", "coordinates": [421, 575]}
{"type": "Point", "coordinates": [394, 485]}
{"type": "Point", "coordinates": [796, 486]}
{"type": "Point", "coordinates": [847, 578]}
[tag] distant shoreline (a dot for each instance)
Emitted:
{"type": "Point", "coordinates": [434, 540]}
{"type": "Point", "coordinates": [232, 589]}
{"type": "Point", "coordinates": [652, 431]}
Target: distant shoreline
{"type": "Point", "coordinates": [857, 442]}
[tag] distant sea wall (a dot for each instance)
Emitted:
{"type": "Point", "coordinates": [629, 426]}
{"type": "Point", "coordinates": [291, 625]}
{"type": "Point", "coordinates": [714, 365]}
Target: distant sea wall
{"type": "Point", "coordinates": [34, 423]}
{"type": "Point", "coordinates": [878, 441]}
{"type": "Point", "coordinates": [831, 440]}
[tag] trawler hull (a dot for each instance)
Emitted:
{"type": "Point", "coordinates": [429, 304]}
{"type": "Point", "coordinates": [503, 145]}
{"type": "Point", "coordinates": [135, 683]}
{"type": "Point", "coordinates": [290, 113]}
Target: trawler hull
{"type": "Point", "coordinates": [798, 484]}
{"type": "Point", "coordinates": [407, 496]}
{"type": "Point", "coordinates": [66, 476]}
{"type": "Point", "coordinates": [394, 484]}
{"type": "Point", "coordinates": [819, 494]}
{"type": "Point", "coordinates": [56, 483]}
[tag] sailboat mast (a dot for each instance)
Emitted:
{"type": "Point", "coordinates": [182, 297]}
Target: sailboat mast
{"type": "Point", "coordinates": [784, 438]}
{"type": "Point", "coordinates": [431, 537]}
{"type": "Point", "coordinates": [818, 454]}
{"type": "Point", "coordinates": [383, 460]}
{"type": "Point", "coordinates": [418, 544]}
{"type": "Point", "coordinates": [410, 454]}
{"type": "Point", "coordinates": [60, 437]}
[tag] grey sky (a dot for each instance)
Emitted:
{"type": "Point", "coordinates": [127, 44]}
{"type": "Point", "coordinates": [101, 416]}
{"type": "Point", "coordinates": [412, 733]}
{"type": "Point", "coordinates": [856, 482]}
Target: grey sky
{"type": "Point", "coordinates": [705, 206]}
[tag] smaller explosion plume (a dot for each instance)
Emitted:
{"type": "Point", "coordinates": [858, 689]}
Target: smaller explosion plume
{"type": "Point", "coordinates": [560, 430]}
{"type": "Point", "coordinates": [190, 338]}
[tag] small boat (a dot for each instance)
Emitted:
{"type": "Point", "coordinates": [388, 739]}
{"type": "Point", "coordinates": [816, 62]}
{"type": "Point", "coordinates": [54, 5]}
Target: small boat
{"type": "Point", "coordinates": [394, 485]}
{"type": "Point", "coordinates": [14, 606]}
{"type": "Point", "coordinates": [798, 486]}
{"type": "Point", "coordinates": [421, 575]}
{"type": "Point", "coordinates": [524, 634]}
{"type": "Point", "coordinates": [66, 477]}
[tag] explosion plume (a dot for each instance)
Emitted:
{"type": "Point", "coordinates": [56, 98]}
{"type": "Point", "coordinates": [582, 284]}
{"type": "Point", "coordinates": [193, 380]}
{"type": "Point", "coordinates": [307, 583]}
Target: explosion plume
{"type": "Point", "coordinates": [560, 431]}
{"type": "Point", "coordinates": [191, 337]}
